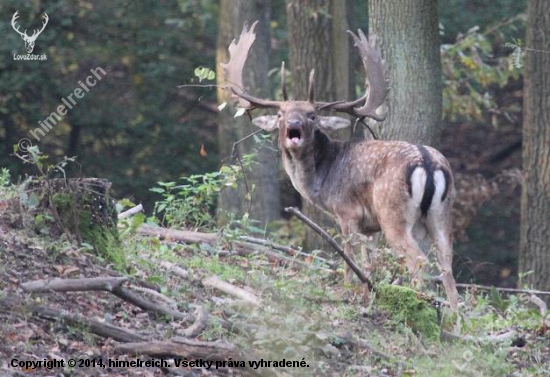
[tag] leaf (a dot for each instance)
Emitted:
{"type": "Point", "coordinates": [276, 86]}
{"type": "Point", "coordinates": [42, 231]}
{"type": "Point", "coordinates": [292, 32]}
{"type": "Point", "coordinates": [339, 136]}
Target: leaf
{"type": "Point", "coordinates": [33, 200]}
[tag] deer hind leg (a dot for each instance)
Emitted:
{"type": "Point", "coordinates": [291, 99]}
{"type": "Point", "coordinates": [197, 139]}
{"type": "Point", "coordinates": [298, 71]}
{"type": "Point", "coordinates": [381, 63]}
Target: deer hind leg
{"type": "Point", "coordinates": [440, 233]}
{"type": "Point", "coordinates": [401, 240]}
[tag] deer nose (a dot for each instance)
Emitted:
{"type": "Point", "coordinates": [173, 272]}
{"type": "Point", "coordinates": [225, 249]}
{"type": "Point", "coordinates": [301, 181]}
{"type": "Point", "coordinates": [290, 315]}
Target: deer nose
{"type": "Point", "coordinates": [294, 123]}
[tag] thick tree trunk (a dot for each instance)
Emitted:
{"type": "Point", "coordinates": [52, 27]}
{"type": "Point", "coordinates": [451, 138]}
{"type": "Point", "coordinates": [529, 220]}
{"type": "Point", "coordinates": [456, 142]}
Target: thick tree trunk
{"type": "Point", "coordinates": [318, 40]}
{"type": "Point", "coordinates": [263, 176]}
{"type": "Point", "coordinates": [535, 201]}
{"type": "Point", "coordinates": [408, 36]}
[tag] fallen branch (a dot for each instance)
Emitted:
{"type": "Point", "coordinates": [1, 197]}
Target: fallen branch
{"type": "Point", "coordinates": [240, 247]}
{"type": "Point", "coordinates": [215, 282]}
{"type": "Point", "coordinates": [511, 290]}
{"type": "Point", "coordinates": [73, 285]}
{"type": "Point", "coordinates": [289, 250]}
{"type": "Point", "coordinates": [177, 270]}
{"type": "Point", "coordinates": [109, 284]}
{"type": "Point", "coordinates": [543, 309]}
{"type": "Point", "coordinates": [130, 212]}
{"type": "Point", "coordinates": [181, 347]}
{"type": "Point", "coordinates": [156, 295]}
{"type": "Point", "coordinates": [201, 320]}
{"type": "Point", "coordinates": [99, 328]}
{"type": "Point", "coordinates": [296, 212]}
{"type": "Point", "coordinates": [149, 306]}
{"type": "Point", "coordinates": [179, 235]}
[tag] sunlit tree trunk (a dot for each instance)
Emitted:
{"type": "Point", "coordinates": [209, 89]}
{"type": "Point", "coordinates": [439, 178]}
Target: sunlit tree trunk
{"type": "Point", "coordinates": [535, 200]}
{"type": "Point", "coordinates": [261, 178]}
{"type": "Point", "coordinates": [408, 35]}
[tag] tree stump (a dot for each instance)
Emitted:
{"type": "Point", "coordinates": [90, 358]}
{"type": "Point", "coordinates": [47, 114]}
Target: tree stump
{"type": "Point", "coordinates": [80, 208]}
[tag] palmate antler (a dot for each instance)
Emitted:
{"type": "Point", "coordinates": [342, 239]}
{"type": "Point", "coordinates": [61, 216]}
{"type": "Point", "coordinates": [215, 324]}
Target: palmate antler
{"type": "Point", "coordinates": [238, 53]}
{"type": "Point", "coordinates": [377, 89]}
{"type": "Point", "coordinates": [363, 107]}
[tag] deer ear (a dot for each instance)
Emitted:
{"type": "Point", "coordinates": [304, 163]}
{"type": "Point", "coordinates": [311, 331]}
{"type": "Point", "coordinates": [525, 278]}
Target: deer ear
{"type": "Point", "coordinates": [266, 122]}
{"type": "Point", "coordinates": [333, 123]}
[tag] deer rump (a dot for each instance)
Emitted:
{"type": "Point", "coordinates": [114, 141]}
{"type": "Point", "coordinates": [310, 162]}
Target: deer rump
{"type": "Point", "coordinates": [405, 190]}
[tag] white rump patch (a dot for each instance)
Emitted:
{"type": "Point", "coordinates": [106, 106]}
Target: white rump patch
{"type": "Point", "coordinates": [418, 184]}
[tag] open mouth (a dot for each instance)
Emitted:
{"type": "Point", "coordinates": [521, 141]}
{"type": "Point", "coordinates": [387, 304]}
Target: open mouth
{"type": "Point", "coordinates": [294, 135]}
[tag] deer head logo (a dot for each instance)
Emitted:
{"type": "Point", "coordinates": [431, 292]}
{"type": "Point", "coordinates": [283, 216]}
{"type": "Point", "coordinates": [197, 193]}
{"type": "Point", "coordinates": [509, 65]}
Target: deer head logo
{"type": "Point", "coordinates": [29, 41]}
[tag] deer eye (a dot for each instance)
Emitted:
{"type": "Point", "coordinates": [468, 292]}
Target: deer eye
{"type": "Point", "coordinates": [279, 114]}
{"type": "Point", "coordinates": [312, 117]}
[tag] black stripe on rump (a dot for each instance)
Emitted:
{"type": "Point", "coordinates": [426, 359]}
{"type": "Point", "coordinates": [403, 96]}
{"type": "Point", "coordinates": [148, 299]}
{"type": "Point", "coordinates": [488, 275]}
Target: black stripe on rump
{"type": "Point", "coordinates": [447, 176]}
{"type": "Point", "coordinates": [429, 188]}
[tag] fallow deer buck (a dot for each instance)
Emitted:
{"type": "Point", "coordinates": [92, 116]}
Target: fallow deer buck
{"type": "Point", "coordinates": [395, 187]}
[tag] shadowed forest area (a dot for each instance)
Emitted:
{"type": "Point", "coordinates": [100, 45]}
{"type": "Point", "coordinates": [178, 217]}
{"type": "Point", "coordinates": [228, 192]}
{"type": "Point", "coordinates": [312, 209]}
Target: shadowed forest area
{"type": "Point", "coordinates": [141, 217]}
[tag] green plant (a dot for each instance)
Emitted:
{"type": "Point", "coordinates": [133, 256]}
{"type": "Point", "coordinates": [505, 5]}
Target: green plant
{"type": "Point", "coordinates": [7, 190]}
{"type": "Point", "coordinates": [192, 204]}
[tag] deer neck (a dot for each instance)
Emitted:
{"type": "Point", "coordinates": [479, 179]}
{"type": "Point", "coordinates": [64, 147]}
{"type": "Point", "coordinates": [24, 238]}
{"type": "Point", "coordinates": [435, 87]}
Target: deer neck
{"type": "Point", "coordinates": [308, 167]}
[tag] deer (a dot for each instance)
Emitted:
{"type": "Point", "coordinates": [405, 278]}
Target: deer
{"type": "Point", "coordinates": [400, 189]}
{"type": "Point", "coordinates": [29, 41]}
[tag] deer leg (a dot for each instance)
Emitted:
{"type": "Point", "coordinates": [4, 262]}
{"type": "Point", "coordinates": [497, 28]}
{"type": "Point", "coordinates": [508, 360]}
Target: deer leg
{"type": "Point", "coordinates": [441, 236]}
{"type": "Point", "coordinates": [402, 241]}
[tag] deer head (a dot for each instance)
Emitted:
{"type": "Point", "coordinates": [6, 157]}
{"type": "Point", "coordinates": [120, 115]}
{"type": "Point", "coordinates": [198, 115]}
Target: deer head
{"type": "Point", "coordinates": [29, 41]}
{"type": "Point", "coordinates": [297, 120]}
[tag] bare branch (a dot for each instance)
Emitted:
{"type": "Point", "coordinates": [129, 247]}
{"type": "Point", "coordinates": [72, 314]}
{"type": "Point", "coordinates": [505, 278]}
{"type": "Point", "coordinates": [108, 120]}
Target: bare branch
{"type": "Point", "coordinates": [73, 285]}
{"type": "Point", "coordinates": [130, 212]}
{"type": "Point", "coordinates": [215, 282]}
{"type": "Point", "coordinates": [332, 243]}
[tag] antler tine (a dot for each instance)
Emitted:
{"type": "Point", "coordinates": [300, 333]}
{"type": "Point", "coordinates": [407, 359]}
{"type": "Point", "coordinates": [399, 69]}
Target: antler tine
{"type": "Point", "coordinates": [283, 82]}
{"type": "Point", "coordinates": [377, 90]}
{"type": "Point", "coordinates": [44, 23]}
{"type": "Point", "coordinates": [311, 86]}
{"type": "Point", "coordinates": [13, 20]}
{"type": "Point", "coordinates": [238, 53]}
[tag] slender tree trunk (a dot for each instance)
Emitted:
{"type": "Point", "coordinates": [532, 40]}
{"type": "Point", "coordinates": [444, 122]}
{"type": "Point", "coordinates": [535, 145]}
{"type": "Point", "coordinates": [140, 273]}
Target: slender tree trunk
{"type": "Point", "coordinates": [262, 177]}
{"type": "Point", "coordinates": [535, 200]}
{"type": "Point", "coordinates": [408, 35]}
{"type": "Point", "coordinates": [318, 40]}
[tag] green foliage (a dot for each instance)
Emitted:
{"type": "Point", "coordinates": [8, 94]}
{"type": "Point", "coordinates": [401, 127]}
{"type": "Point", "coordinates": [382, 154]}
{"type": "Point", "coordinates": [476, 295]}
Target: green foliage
{"type": "Point", "coordinates": [203, 73]}
{"type": "Point", "coordinates": [192, 204]}
{"type": "Point", "coordinates": [472, 72]}
{"type": "Point", "coordinates": [7, 190]}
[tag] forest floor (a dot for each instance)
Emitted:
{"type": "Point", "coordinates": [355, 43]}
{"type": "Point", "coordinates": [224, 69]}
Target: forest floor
{"type": "Point", "coordinates": [275, 309]}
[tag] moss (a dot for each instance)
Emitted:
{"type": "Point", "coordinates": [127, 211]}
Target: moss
{"type": "Point", "coordinates": [404, 305]}
{"type": "Point", "coordinates": [77, 215]}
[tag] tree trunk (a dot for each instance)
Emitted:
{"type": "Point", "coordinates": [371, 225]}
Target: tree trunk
{"type": "Point", "coordinates": [407, 33]}
{"type": "Point", "coordinates": [318, 40]}
{"type": "Point", "coordinates": [262, 177]}
{"type": "Point", "coordinates": [535, 200]}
